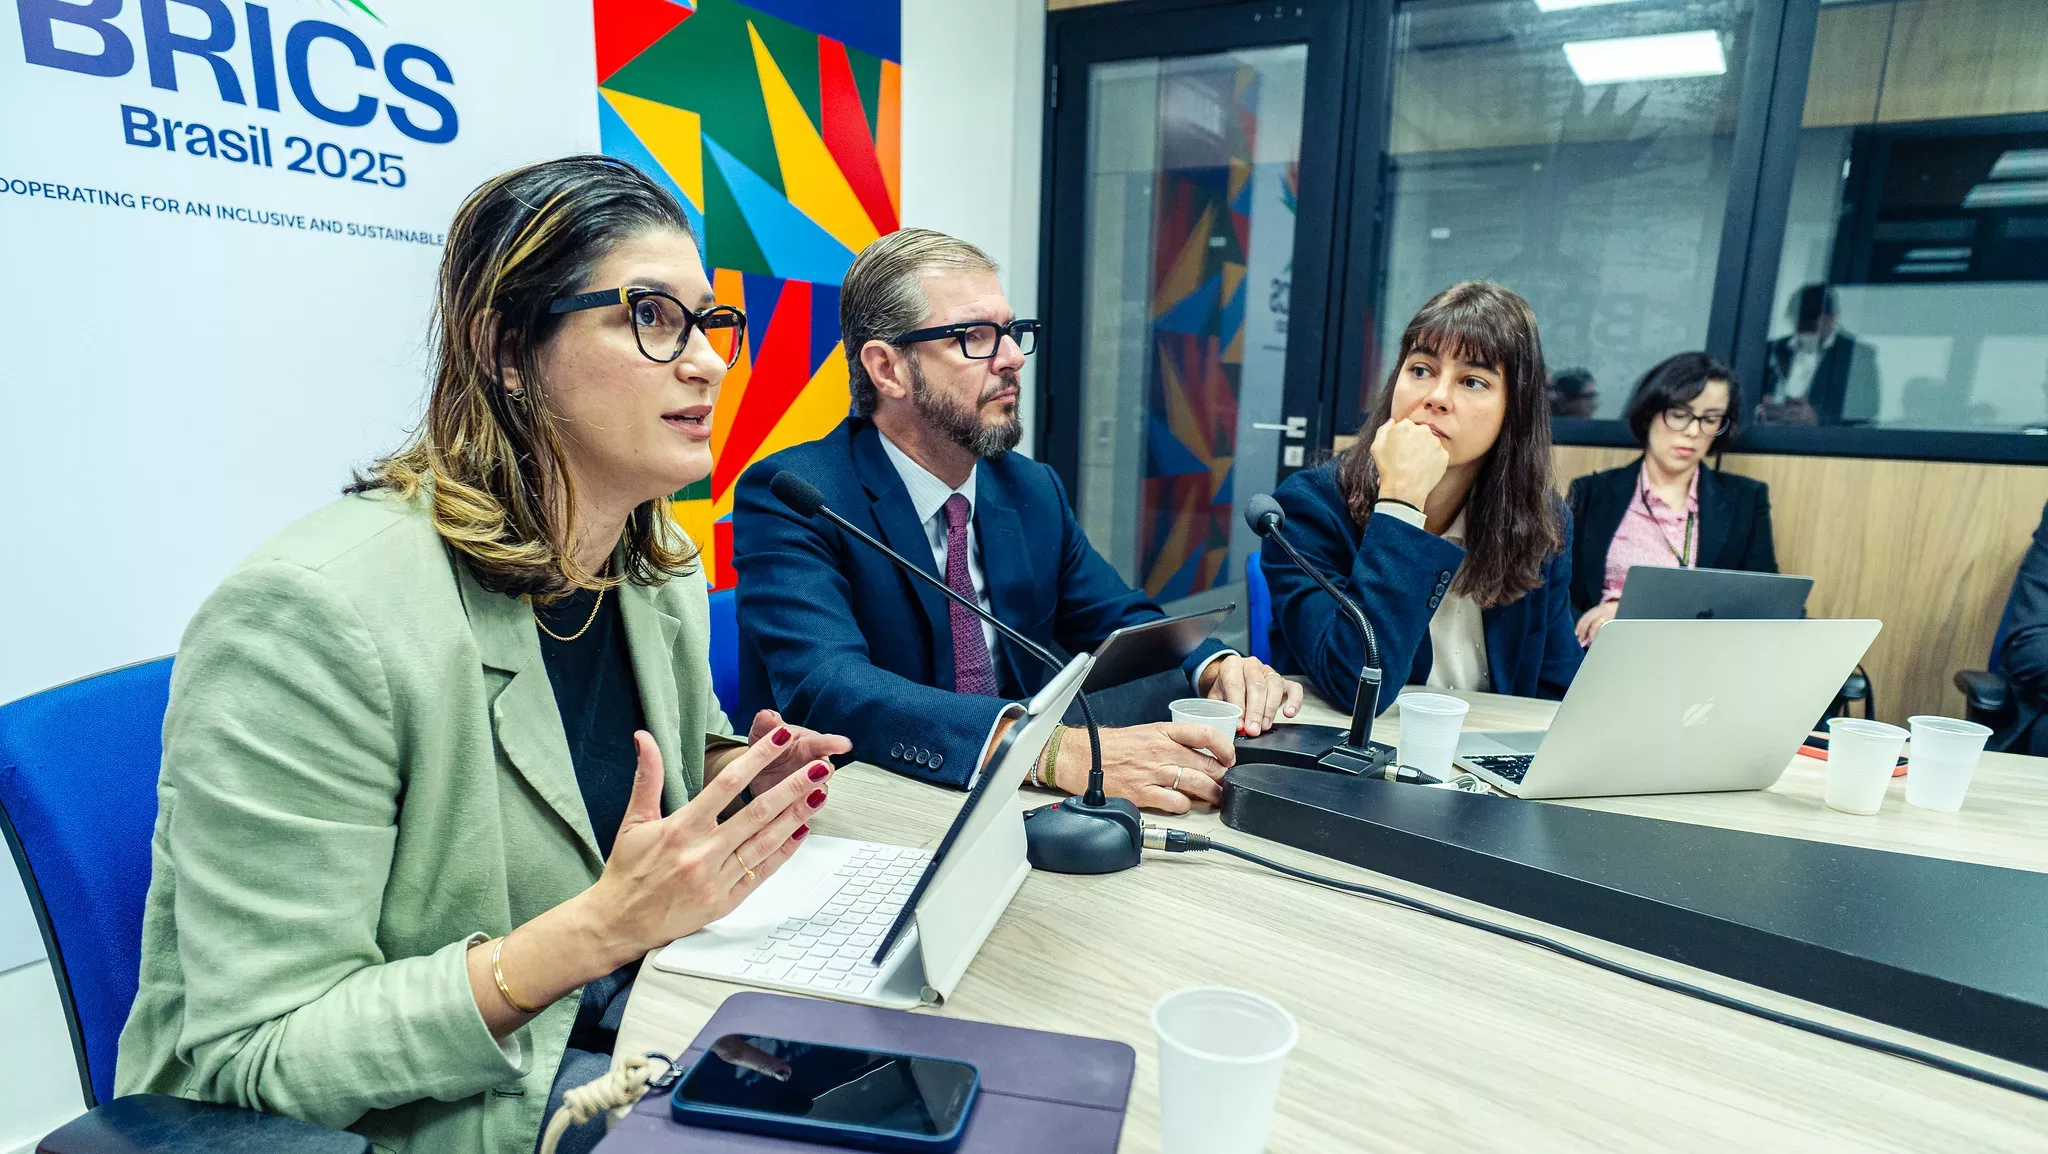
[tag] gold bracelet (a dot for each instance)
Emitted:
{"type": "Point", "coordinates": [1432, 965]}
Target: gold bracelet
{"type": "Point", "coordinates": [504, 991]}
{"type": "Point", "coordinates": [1046, 760]}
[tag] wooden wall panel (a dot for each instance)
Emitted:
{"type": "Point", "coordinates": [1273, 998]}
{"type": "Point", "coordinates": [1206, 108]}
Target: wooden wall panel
{"type": "Point", "coordinates": [1848, 62]}
{"type": "Point", "coordinates": [1953, 58]}
{"type": "Point", "coordinates": [1929, 548]}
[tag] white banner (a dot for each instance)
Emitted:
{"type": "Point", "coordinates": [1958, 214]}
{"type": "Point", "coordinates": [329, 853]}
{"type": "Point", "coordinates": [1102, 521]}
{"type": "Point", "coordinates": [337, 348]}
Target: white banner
{"type": "Point", "coordinates": [219, 226]}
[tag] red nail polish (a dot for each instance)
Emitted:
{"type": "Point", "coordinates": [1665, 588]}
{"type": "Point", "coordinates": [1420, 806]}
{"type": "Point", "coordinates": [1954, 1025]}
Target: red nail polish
{"type": "Point", "coordinates": [802, 832]}
{"type": "Point", "coordinates": [781, 736]}
{"type": "Point", "coordinates": [817, 798]}
{"type": "Point", "coordinates": [819, 770]}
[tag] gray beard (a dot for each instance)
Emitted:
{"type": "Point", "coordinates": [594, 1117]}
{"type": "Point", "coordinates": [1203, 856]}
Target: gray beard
{"type": "Point", "coordinates": [960, 424]}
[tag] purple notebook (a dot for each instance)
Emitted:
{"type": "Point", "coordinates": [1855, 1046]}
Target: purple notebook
{"type": "Point", "coordinates": [1039, 1091]}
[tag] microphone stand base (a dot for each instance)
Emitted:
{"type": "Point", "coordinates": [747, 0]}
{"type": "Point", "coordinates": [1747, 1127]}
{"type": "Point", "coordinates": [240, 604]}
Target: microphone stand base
{"type": "Point", "coordinates": [1074, 837]}
{"type": "Point", "coordinates": [1313, 747]}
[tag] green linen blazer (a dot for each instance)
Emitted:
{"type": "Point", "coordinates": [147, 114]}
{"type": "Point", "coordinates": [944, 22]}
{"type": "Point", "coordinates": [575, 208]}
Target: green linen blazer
{"type": "Point", "coordinates": [364, 774]}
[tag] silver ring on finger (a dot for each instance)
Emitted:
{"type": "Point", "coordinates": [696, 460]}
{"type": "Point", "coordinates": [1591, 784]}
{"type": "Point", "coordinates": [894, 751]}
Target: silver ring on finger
{"type": "Point", "coordinates": [1178, 770]}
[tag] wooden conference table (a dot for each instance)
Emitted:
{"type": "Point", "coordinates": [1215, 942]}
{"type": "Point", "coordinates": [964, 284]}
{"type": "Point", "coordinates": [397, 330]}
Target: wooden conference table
{"type": "Point", "coordinates": [1420, 1034]}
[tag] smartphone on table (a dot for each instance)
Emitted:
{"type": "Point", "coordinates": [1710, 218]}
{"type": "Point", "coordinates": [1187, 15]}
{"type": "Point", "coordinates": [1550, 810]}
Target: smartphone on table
{"type": "Point", "coordinates": [841, 1096]}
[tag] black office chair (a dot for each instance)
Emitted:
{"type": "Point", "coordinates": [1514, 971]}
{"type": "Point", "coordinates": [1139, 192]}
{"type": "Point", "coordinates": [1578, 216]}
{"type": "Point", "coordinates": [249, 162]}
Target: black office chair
{"type": "Point", "coordinates": [78, 770]}
{"type": "Point", "coordinates": [1987, 695]}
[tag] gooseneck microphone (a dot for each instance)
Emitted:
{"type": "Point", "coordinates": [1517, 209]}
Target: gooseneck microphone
{"type": "Point", "coordinates": [1266, 518]}
{"type": "Point", "coordinates": [1089, 834]}
{"type": "Point", "coordinates": [1320, 746]}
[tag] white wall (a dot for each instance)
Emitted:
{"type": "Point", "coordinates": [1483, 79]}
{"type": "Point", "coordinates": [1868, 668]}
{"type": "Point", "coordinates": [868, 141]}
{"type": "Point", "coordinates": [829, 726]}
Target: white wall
{"type": "Point", "coordinates": [973, 111]}
{"type": "Point", "coordinates": [179, 383]}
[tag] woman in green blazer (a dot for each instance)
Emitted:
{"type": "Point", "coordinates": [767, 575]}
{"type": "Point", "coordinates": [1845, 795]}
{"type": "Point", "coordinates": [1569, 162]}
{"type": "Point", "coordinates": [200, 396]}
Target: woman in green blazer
{"type": "Point", "coordinates": [442, 760]}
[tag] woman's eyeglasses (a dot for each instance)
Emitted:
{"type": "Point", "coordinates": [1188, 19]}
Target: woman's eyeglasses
{"type": "Point", "coordinates": [979, 340]}
{"type": "Point", "coordinates": [662, 324]}
{"type": "Point", "coordinates": [1680, 420]}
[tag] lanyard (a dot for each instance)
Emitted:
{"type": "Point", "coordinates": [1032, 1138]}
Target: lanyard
{"type": "Point", "coordinates": [1680, 555]}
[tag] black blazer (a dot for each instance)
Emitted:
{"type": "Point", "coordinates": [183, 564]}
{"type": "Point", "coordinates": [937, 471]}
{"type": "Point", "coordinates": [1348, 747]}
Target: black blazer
{"type": "Point", "coordinates": [1734, 525]}
{"type": "Point", "coordinates": [1845, 383]}
{"type": "Point", "coordinates": [2023, 660]}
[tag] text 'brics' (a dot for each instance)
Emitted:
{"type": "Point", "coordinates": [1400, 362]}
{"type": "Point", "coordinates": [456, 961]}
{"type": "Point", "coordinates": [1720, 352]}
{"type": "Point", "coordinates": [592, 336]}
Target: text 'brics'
{"type": "Point", "coordinates": [409, 96]}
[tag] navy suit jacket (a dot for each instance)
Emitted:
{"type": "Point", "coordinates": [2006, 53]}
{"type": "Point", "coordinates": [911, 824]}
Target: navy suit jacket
{"type": "Point", "coordinates": [834, 636]}
{"type": "Point", "coordinates": [1399, 574]}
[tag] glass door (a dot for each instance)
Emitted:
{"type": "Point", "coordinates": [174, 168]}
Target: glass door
{"type": "Point", "coordinates": [1191, 244]}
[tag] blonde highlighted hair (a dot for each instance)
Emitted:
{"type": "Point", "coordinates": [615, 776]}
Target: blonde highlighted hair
{"type": "Point", "coordinates": [491, 462]}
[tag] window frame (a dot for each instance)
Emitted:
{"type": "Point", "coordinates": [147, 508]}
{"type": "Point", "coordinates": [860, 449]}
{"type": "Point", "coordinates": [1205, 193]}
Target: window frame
{"type": "Point", "coordinates": [1764, 156]}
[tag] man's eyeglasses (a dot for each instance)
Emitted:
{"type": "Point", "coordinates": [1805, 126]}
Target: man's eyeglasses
{"type": "Point", "coordinates": [979, 340]}
{"type": "Point", "coordinates": [1680, 420]}
{"type": "Point", "coordinates": [662, 324]}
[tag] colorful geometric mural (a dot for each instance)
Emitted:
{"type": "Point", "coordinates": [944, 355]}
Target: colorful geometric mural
{"type": "Point", "coordinates": [1201, 231]}
{"type": "Point", "coordinates": [777, 123]}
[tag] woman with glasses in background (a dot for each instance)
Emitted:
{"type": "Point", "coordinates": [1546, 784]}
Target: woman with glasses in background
{"type": "Point", "coordinates": [442, 761]}
{"type": "Point", "coordinates": [1664, 509]}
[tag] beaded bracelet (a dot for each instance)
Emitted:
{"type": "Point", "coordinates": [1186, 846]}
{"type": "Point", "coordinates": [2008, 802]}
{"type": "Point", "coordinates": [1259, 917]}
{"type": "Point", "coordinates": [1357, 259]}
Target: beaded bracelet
{"type": "Point", "coordinates": [1042, 773]}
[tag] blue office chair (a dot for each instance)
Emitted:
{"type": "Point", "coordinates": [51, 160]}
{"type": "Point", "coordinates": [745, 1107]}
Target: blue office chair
{"type": "Point", "coordinates": [78, 770]}
{"type": "Point", "coordinates": [1987, 695]}
{"type": "Point", "coordinates": [725, 655]}
{"type": "Point", "coordinates": [1258, 599]}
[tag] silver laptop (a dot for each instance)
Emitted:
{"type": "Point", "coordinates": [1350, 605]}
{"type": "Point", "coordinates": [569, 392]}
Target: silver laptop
{"type": "Point", "coordinates": [883, 924]}
{"type": "Point", "coordinates": [1678, 707]}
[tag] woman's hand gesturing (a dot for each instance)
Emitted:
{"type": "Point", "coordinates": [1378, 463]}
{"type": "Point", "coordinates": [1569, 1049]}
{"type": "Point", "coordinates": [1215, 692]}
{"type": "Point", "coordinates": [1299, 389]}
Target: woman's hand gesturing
{"type": "Point", "coordinates": [804, 747]}
{"type": "Point", "coordinates": [672, 876]}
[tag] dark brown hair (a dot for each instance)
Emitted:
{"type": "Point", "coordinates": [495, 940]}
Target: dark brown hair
{"type": "Point", "coordinates": [1673, 383]}
{"type": "Point", "coordinates": [493, 463]}
{"type": "Point", "coordinates": [1513, 522]}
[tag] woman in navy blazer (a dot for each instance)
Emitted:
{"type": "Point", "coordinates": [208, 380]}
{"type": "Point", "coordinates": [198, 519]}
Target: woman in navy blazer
{"type": "Point", "coordinates": [1440, 522]}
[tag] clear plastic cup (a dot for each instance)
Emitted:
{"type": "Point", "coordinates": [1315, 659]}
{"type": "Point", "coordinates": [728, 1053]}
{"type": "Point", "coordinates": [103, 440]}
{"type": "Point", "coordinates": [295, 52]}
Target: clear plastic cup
{"type": "Point", "coordinates": [1861, 757]}
{"type": "Point", "coordinates": [1945, 755]}
{"type": "Point", "coordinates": [1430, 723]}
{"type": "Point", "coordinates": [1221, 1053]}
{"type": "Point", "coordinates": [1220, 716]}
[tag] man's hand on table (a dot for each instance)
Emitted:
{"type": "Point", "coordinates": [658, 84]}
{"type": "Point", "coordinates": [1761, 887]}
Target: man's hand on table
{"type": "Point", "coordinates": [1158, 766]}
{"type": "Point", "coordinates": [1251, 685]}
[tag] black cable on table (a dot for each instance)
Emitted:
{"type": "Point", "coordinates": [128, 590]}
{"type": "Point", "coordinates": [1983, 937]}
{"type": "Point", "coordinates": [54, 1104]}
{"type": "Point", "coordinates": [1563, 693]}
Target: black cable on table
{"type": "Point", "coordinates": [1181, 841]}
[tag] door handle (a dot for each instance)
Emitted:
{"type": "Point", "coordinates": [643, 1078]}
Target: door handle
{"type": "Point", "coordinates": [1295, 426]}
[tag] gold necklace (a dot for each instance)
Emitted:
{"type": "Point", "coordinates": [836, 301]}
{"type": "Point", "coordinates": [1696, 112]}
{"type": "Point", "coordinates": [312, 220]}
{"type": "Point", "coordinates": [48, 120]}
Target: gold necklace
{"type": "Point", "coordinates": [594, 607]}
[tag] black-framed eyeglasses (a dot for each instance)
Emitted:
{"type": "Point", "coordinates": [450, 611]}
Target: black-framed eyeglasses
{"type": "Point", "coordinates": [979, 340]}
{"type": "Point", "coordinates": [1680, 420]}
{"type": "Point", "coordinates": [662, 324]}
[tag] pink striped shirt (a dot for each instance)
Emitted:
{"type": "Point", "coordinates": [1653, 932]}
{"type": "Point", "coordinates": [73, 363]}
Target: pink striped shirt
{"type": "Point", "coordinates": [1652, 533]}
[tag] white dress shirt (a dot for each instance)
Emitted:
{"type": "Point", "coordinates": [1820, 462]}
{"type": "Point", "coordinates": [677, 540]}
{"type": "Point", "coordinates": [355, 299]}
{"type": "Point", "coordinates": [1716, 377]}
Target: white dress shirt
{"type": "Point", "coordinates": [1457, 630]}
{"type": "Point", "coordinates": [1805, 363]}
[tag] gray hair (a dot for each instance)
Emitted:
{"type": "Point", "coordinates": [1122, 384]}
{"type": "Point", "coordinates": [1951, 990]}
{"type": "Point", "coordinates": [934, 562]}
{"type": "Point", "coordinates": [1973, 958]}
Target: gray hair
{"type": "Point", "coordinates": [883, 295]}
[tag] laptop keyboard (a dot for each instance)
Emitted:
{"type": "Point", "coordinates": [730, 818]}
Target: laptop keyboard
{"type": "Point", "coordinates": [1507, 766]}
{"type": "Point", "coordinates": [831, 950]}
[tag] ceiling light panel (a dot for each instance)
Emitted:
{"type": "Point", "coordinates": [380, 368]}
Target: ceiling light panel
{"type": "Point", "coordinates": [1672, 56]}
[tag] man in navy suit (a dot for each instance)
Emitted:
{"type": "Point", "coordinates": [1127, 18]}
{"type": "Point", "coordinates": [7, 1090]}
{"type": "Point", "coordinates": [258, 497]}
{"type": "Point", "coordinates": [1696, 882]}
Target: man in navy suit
{"type": "Point", "coordinates": [835, 636]}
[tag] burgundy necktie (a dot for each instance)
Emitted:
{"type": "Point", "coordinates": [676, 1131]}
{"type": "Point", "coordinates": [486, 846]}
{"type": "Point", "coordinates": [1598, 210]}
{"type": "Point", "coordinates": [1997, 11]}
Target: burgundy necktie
{"type": "Point", "coordinates": [972, 671]}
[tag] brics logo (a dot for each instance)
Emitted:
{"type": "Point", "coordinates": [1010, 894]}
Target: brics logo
{"type": "Point", "coordinates": [345, 97]}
